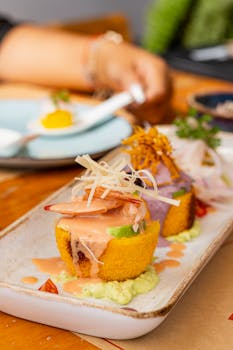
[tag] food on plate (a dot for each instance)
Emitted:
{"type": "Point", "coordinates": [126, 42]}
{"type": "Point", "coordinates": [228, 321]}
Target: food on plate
{"type": "Point", "coordinates": [49, 287]}
{"type": "Point", "coordinates": [106, 231]}
{"type": "Point", "coordinates": [57, 113]}
{"type": "Point", "coordinates": [57, 119]}
{"type": "Point", "coordinates": [106, 236]}
{"type": "Point", "coordinates": [225, 109]}
{"type": "Point", "coordinates": [123, 292]}
{"type": "Point", "coordinates": [120, 292]}
{"type": "Point", "coordinates": [186, 235]}
{"type": "Point", "coordinates": [106, 257]}
{"type": "Point", "coordinates": [195, 143]}
{"type": "Point", "coordinates": [151, 152]}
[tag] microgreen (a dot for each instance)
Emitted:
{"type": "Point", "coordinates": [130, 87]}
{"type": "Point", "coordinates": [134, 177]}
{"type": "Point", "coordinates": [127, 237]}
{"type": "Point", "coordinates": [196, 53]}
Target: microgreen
{"type": "Point", "coordinates": [60, 96]}
{"type": "Point", "coordinates": [195, 128]}
{"type": "Point", "coordinates": [178, 193]}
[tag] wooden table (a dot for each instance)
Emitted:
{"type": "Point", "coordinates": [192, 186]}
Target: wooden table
{"type": "Point", "coordinates": [21, 193]}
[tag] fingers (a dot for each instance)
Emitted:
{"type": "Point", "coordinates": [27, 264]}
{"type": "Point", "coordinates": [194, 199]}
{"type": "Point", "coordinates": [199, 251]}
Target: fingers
{"type": "Point", "coordinates": [121, 66]}
{"type": "Point", "coordinates": [129, 78]}
{"type": "Point", "coordinates": [156, 78]}
{"type": "Point", "coordinates": [150, 72]}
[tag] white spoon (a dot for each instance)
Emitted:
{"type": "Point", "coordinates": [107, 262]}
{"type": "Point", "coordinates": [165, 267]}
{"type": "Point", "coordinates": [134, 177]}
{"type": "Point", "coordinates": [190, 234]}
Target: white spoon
{"type": "Point", "coordinates": [94, 115]}
{"type": "Point", "coordinates": [12, 141]}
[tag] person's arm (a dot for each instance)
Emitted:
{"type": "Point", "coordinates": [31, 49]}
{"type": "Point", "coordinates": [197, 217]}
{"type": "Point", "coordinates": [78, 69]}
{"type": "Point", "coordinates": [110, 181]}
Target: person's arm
{"type": "Point", "coordinates": [57, 58]}
{"type": "Point", "coordinates": [44, 56]}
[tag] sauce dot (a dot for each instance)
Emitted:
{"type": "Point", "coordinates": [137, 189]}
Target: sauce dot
{"type": "Point", "coordinates": [29, 279]}
{"type": "Point", "coordinates": [177, 246]}
{"type": "Point", "coordinates": [159, 267]}
{"type": "Point", "coordinates": [175, 254]}
{"type": "Point", "coordinates": [171, 263]}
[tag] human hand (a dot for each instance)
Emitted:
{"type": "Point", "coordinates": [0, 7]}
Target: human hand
{"type": "Point", "coordinates": [116, 67]}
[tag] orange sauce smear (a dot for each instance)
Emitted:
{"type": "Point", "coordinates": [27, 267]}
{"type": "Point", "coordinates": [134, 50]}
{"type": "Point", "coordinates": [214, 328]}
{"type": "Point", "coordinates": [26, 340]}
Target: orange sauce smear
{"type": "Point", "coordinates": [159, 267]}
{"type": "Point", "coordinates": [175, 254]}
{"type": "Point", "coordinates": [167, 263]}
{"type": "Point", "coordinates": [176, 250]}
{"type": "Point", "coordinates": [177, 246]}
{"type": "Point", "coordinates": [29, 279]}
{"type": "Point", "coordinates": [52, 266]}
{"type": "Point", "coordinates": [76, 286]}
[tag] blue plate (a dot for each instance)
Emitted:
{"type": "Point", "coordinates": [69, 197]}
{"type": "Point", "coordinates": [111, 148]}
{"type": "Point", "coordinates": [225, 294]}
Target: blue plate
{"type": "Point", "coordinates": [58, 151]}
{"type": "Point", "coordinates": [207, 104]}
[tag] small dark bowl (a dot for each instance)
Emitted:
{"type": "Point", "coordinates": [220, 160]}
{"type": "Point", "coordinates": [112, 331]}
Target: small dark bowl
{"type": "Point", "coordinates": [207, 104]}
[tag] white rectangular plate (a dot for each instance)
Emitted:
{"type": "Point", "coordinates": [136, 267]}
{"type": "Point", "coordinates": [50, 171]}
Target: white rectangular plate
{"type": "Point", "coordinates": [32, 236]}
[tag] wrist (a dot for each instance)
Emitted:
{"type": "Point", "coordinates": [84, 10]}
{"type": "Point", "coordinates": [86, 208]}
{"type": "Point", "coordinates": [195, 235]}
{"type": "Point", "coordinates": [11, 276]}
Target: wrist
{"type": "Point", "coordinates": [97, 57]}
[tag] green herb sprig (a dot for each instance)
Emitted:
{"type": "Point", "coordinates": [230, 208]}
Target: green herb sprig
{"type": "Point", "coordinates": [60, 96]}
{"type": "Point", "coordinates": [198, 129]}
{"type": "Point", "coordinates": [179, 193]}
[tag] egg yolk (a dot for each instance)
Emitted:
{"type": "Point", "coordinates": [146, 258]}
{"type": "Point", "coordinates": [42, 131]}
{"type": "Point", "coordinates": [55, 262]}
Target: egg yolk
{"type": "Point", "coordinates": [58, 119]}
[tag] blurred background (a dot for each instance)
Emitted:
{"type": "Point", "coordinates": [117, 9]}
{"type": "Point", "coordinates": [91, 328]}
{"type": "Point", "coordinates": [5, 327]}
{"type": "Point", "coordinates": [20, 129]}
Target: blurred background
{"type": "Point", "coordinates": [77, 10]}
{"type": "Point", "coordinates": [193, 36]}
{"type": "Point", "coordinates": [172, 28]}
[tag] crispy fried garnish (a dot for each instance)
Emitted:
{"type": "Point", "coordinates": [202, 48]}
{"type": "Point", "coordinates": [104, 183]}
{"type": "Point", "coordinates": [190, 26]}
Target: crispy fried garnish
{"type": "Point", "coordinates": [49, 287]}
{"type": "Point", "coordinates": [147, 148]}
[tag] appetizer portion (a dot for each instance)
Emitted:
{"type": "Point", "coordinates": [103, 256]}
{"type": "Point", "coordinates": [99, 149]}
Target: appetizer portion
{"type": "Point", "coordinates": [196, 142]}
{"type": "Point", "coordinates": [57, 112]}
{"type": "Point", "coordinates": [151, 152]}
{"type": "Point", "coordinates": [107, 232]}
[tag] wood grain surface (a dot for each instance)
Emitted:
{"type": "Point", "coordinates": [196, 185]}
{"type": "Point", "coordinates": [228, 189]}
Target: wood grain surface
{"type": "Point", "coordinates": [25, 190]}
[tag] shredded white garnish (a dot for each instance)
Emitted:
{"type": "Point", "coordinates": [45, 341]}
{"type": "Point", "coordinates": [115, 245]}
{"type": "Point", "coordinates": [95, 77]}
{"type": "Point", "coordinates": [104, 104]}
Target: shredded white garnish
{"type": "Point", "coordinates": [90, 252]}
{"type": "Point", "coordinates": [135, 227]}
{"type": "Point", "coordinates": [213, 183]}
{"type": "Point", "coordinates": [114, 178]}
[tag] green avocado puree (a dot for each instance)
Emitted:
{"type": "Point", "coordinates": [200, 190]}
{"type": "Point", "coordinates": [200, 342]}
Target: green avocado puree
{"type": "Point", "coordinates": [122, 292]}
{"type": "Point", "coordinates": [119, 292]}
{"type": "Point", "coordinates": [62, 277]}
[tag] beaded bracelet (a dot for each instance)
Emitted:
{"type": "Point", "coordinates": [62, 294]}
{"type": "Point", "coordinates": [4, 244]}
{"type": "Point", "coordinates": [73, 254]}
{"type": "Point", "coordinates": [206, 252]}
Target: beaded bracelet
{"type": "Point", "coordinates": [92, 63]}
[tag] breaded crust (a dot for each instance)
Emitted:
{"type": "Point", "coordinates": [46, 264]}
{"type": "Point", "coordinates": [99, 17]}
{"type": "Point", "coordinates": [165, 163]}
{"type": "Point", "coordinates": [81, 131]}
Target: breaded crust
{"type": "Point", "coordinates": [180, 218]}
{"type": "Point", "coordinates": [123, 258]}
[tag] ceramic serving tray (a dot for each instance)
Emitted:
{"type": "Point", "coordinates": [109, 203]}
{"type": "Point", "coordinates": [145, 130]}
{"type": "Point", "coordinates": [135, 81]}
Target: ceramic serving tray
{"type": "Point", "coordinates": [32, 236]}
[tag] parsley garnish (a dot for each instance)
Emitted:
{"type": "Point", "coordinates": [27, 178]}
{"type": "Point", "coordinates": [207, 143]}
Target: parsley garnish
{"type": "Point", "coordinates": [198, 129]}
{"type": "Point", "coordinates": [60, 96]}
